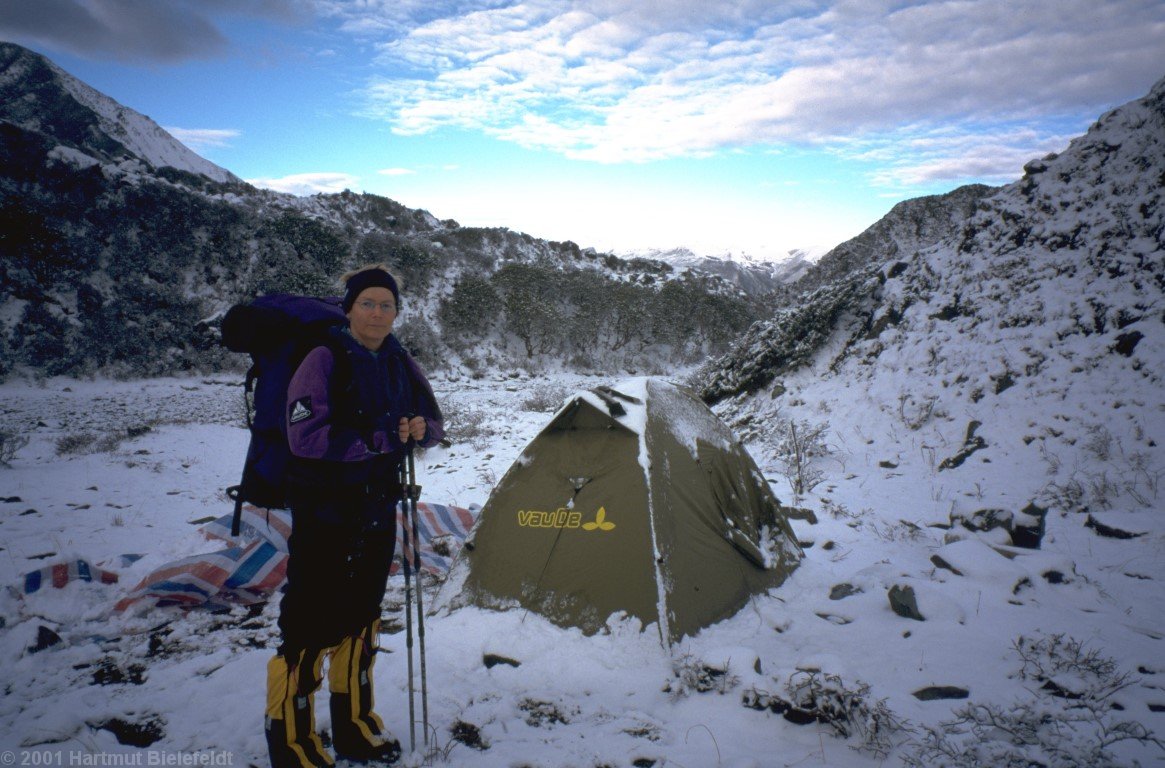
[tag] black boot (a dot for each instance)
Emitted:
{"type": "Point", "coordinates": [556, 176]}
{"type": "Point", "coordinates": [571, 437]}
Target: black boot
{"type": "Point", "coordinates": [357, 732]}
{"type": "Point", "coordinates": [292, 741]}
{"type": "Point", "coordinates": [355, 741]}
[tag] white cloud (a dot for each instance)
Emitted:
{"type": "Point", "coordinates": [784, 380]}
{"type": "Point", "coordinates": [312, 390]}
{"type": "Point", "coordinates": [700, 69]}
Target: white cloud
{"type": "Point", "coordinates": [992, 159]}
{"type": "Point", "coordinates": [309, 183]}
{"type": "Point", "coordinates": [200, 139]}
{"type": "Point", "coordinates": [602, 81]}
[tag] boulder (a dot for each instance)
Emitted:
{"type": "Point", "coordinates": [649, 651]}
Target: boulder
{"type": "Point", "coordinates": [904, 603]}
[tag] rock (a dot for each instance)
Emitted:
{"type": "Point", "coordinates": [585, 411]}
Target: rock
{"type": "Point", "coordinates": [109, 673]}
{"type": "Point", "coordinates": [971, 443]}
{"type": "Point", "coordinates": [941, 563]}
{"type": "Point", "coordinates": [1110, 531]}
{"type": "Point", "coordinates": [1034, 167]}
{"type": "Point", "coordinates": [469, 735]}
{"type": "Point", "coordinates": [799, 716]}
{"type": "Point", "coordinates": [904, 603]}
{"type": "Point", "coordinates": [896, 269]}
{"type": "Point", "coordinates": [1029, 526]}
{"type": "Point", "coordinates": [1059, 691]}
{"type": "Point", "coordinates": [491, 660]}
{"type": "Point", "coordinates": [800, 513]}
{"type": "Point", "coordinates": [984, 520]}
{"type": "Point", "coordinates": [141, 734]}
{"type": "Point", "coordinates": [1025, 528]}
{"type": "Point", "coordinates": [1127, 342]}
{"type": "Point", "coordinates": [936, 692]}
{"type": "Point", "coordinates": [833, 618]}
{"type": "Point", "coordinates": [841, 591]}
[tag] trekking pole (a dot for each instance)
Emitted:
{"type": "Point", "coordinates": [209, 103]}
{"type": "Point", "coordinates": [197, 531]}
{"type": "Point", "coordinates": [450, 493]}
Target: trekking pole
{"type": "Point", "coordinates": [414, 493]}
{"type": "Point", "coordinates": [405, 562]}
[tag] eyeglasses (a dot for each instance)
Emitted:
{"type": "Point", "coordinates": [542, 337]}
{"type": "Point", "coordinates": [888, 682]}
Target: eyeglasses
{"type": "Point", "coordinates": [386, 307]}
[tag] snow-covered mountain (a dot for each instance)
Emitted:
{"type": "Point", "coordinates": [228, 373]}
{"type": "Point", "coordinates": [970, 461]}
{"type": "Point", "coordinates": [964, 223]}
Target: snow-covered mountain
{"type": "Point", "coordinates": [908, 227]}
{"type": "Point", "coordinates": [1074, 246]}
{"type": "Point", "coordinates": [41, 97]}
{"type": "Point", "coordinates": [754, 276]}
{"type": "Point", "coordinates": [116, 226]}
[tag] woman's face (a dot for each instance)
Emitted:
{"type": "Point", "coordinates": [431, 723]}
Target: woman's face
{"type": "Point", "coordinates": [372, 316]}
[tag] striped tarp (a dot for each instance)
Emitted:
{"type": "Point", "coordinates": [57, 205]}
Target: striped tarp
{"type": "Point", "coordinates": [256, 567]}
{"type": "Point", "coordinates": [441, 530]}
{"type": "Point", "coordinates": [242, 574]}
{"type": "Point", "coordinates": [59, 574]}
{"type": "Point", "coordinates": [273, 525]}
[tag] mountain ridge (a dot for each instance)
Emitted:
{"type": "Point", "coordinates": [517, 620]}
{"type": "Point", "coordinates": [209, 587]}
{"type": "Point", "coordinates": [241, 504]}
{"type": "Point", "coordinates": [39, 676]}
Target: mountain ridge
{"type": "Point", "coordinates": [91, 122]}
{"type": "Point", "coordinates": [1082, 208]}
{"type": "Point", "coordinates": [752, 275]}
{"type": "Point", "coordinates": [151, 251]}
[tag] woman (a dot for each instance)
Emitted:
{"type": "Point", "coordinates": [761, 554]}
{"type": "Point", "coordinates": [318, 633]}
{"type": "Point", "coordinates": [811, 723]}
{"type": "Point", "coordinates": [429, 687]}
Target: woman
{"type": "Point", "coordinates": [355, 406]}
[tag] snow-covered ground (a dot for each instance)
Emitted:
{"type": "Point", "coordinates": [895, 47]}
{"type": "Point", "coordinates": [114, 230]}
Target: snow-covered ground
{"type": "Point", "coordinates": [1088, 607]}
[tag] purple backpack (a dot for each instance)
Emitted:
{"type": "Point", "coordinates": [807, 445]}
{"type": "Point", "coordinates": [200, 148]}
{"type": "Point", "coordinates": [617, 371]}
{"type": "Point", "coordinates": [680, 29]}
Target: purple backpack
{"type": "Point", "coordinates": [277, 331]}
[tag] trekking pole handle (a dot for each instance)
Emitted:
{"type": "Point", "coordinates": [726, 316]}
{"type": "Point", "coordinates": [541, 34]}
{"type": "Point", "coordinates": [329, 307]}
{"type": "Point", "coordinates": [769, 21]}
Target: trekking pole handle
{"type": "Point", "coordinates": [411, 488]}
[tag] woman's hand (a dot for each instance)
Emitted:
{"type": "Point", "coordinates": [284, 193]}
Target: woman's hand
{"type": "Point", "coordinates": [414, 428]}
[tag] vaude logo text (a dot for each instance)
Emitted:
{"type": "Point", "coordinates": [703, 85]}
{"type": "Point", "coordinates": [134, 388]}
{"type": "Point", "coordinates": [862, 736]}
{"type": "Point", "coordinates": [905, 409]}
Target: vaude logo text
{"type": "Point", "coordinates": [564, 518]}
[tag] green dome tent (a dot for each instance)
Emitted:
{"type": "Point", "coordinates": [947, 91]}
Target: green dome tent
{"type": "Point", "coordinates": [638, 501]}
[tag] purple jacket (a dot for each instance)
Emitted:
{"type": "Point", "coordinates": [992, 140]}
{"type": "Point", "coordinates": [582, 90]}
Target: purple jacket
{"type": "Point", "coordinates": [314, 429]}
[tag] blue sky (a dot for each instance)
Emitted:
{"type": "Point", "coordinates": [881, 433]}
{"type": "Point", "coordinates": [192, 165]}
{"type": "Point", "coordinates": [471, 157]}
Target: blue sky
{"type": "Point", "coordinates": [746, 127]}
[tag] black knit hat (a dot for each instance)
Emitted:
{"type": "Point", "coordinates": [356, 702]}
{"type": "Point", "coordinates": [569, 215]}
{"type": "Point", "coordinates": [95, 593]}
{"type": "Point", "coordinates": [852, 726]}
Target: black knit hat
{"type": "Point", "coordinates": [373, 277]}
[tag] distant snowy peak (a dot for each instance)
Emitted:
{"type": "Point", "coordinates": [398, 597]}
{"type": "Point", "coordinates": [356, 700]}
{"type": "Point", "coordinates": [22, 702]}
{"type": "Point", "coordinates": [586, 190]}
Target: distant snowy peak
{"type": "Point", "coordinates": [687, 257]}
{"type": "Point", "coordinates": [798, 263]}
{"type": "Point", "coordinates": [750, 274]}
{"type": "Point", "coordinates": [37, 95]}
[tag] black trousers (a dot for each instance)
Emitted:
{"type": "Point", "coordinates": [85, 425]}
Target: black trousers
{"type": "Point", "coordinates": [337, 570]}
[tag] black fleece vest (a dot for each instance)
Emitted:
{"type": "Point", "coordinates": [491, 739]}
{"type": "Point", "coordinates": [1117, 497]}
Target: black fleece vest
{"type": "Point", "coordinates": [369, 390]}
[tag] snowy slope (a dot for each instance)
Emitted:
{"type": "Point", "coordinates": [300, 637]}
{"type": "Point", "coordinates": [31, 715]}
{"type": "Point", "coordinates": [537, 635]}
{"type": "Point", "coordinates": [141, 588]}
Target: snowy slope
{"type": "Point", "coordinates": [1086, 225]}
{"type": "Point", "coordinates": [141, 135]}
{"type": "Point", "coordinates": [189, 687]}
{"type": "Point", "coordinates": [1013, 372]}
{"type": "Point", "coordinates": [49, 97]}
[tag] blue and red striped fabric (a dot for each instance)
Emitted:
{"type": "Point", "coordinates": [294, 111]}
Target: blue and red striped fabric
{"type": "Point", "coordinates": [59, 574]}
{"type": "Point", "coordinates": [441, 530]}
{"type": "Point", "coordinates": [249, 572]}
